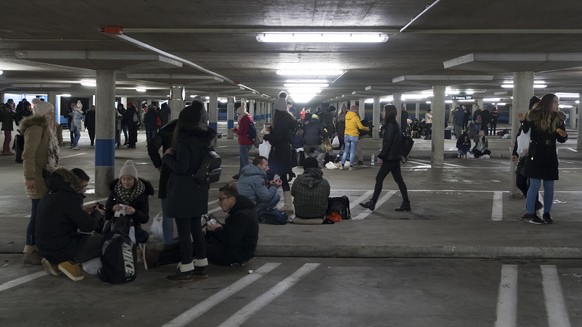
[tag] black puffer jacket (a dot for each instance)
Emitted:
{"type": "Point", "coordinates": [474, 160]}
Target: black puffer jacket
{"type": "Point", "coordinates": [281, 137]}
{"type": "Point", "coordinates": [162, 140]}
{"type": "Point", "coordinates": [60, 215]}
{"type": "Point", "coordinates": [391, 142]}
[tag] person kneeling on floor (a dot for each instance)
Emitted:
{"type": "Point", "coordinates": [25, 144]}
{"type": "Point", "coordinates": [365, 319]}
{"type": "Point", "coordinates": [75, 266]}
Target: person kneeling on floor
{"type": "Point", "coordinates": [310, 192]}
{"type": "Point", "coordinates": [230, 244]}
{"type": "Point", "coordinates": [64, 228]}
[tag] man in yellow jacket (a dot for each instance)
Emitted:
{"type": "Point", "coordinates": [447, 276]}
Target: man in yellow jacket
{"type": "Point", "coordinates": [351, 135]}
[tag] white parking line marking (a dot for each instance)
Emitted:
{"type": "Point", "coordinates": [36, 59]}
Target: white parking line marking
{"type": "Point", "coordinates": [245, 313]}
{"type": "Point", "coordinates": [507, 297]}
{"type": "Point", "coordinates": [202, 307]}
{"type": "Point", "coordinates": [21, 280]}
{"type": "Point", "coordinates": [497, 210]}
{"type": "Point", "coordinates": [74, 155]}
{"type": "Point", "coordinates": [380, 201]}
{"type": "Point", "coordinates": [361, 198]}
{"type": "Point", "coordinates": [555, 306]}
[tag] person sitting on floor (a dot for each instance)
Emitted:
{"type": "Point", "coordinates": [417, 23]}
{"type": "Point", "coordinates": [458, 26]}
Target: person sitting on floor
{"type": "Point", "coordinates": [64, 227]}
{"type": "Point", "coordinates": [253, 184]}
{"type": "Point", "coordinates": [463, 145]}
{"type": "Point", "coordinates": [310, 192]}
{"type": "Point", "coordinates": [481, 148]}
{"type": "Point", "coordinates": [128, 202]}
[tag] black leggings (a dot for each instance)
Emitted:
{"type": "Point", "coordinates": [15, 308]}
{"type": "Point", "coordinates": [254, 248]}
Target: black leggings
{"type": "Point", "coordinates": [394, 168]}
{"type": "Point", "coordinates": [190, 239]}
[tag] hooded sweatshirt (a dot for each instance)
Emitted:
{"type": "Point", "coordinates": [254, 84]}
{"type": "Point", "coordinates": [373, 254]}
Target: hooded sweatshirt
{"type": "Point", "coordinates": [310, 192]}
{"type": "Point", "coordinates": [354, 124]}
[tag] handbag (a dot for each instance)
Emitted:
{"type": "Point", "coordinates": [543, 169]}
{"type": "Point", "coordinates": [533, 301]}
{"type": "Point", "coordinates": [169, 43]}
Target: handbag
{"type": "Point", "coordinates": [523, 141]}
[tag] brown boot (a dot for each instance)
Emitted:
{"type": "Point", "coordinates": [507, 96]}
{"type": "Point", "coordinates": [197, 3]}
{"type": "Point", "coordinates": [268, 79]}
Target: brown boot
{"type": "Point", "coordinates": [31, 256]}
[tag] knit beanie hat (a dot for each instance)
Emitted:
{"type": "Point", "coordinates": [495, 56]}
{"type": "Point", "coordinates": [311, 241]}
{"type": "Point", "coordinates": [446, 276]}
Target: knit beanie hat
{"type": "Point", "coordinates": [310, 162]}
{"type": "Point", "coordinates": [129, 169]}
{"type": "Point", "coordinates": [42, 108]}
{"type": "Point", "coordinates": [281, 103]}
{"type": "Point", "coordinates": [533, 101]}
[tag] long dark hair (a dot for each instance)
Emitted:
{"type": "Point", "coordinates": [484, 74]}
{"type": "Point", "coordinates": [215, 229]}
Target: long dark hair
{"type": "Point", "coordinates": [192, 118]}
{"type": "Point", "coordinates": [390, 112]}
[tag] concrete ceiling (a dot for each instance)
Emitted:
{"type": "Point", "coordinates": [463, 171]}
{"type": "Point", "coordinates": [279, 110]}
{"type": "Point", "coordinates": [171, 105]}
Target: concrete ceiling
{"type": "Point", "coordinates": [51, 45]}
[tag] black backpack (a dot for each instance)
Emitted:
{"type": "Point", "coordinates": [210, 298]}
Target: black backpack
{"type": "Point", "coordinates": [273, 217]}
{"type": "Point", "coordinates": [118, 259]}
{"type": "Point", "coordinates": [209, 171]}
{"type": "Point", "coordinates": [341, 205]}
{"type": "Point", "coordinates": [406, 147]}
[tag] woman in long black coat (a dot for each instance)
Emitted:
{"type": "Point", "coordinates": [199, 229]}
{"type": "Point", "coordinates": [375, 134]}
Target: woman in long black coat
{"type": "Point", "coordinates": [187, 200]}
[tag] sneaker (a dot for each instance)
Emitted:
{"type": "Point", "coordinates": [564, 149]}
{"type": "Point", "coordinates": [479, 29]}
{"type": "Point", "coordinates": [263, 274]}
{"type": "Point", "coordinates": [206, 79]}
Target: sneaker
{"type": "Point", "coordinates": [200, 272]}
{"type": "Point", "coordinates": [534, 219]}
{"type": "Point", "coordinates": [72, 270]}
{"type": "Point", "coordinates": [181, 276]}
{"type": "Point", "coordinates": [341, 167]}
{"type": "Point", "coordinates": [32, 259]}
{"type": "Point", "coordinates": [50, 268]}
{"type": "Point", "coordinates": [403, 207]}
{"type": "Point", "coordinates": [547, 218]}
{"type": "Point", "coordinates": [524, 218]}
{"type": "Point", "coordinates": [77, 148]}
{"type": "Point", "coordinates": [351, 168]}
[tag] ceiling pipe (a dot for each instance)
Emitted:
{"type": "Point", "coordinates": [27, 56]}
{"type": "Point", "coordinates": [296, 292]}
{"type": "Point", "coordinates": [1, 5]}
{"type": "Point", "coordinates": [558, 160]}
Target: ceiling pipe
{"type": "Point", "coordinates": [117, 32]}
{"type": "Point", "coordinates": [418, 16]}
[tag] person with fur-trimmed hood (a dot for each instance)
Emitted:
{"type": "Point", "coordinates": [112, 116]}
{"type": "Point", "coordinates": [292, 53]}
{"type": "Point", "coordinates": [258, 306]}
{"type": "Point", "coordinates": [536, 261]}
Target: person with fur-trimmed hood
{"type": "Point", "coordinates": [64, 226]}
{"type": "Point", "coordinates": [40, 155]}
{"type": "Point", "coordinates": [128, 203]}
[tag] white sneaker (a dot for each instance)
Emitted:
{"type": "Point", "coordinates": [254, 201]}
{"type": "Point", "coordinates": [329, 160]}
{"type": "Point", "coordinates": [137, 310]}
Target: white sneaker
{"type": "Point", "coordinates": [77, 148]}
{"type": "Point", "coordinates": [341, 167]}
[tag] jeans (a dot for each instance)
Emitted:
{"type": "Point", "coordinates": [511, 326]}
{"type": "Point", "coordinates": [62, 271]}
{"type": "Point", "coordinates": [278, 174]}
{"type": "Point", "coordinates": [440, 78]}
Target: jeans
{"type": "Point", "coordinates": [394, 168]}
{"type": "Point", "coordinates": [532, 195]}
{"type": "Point", "coordinates": [244, 156]}
{"type": "Point", "coordinates": [150, 134]}
{"type": "Point", "coordinates": [7, 139]}
{"type": "Point", "coordinates": [77, 136]}
{"type": "Point", "coordinates": [30, 230]}
{"type": "Point", "coordinates": [167, 225]}
{"type": "Point", "coordinates": [351, 148]}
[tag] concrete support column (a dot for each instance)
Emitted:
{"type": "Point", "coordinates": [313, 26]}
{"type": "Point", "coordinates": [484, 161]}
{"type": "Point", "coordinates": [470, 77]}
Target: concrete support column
{"type": "Point", "coordinates": [252, 108]}
{"type": "Point", "coordinates": [176, 103]}
{"type": "Point", "coordinates": [269, 112]}
{"type": "Point", "coordinates": [573, 116]}
{"type": "Point", "coordinates": [376, 109]}
{"type": "Point", "coordinates": [397, 102]}
{"type": "Point", "coordinates": [123, 101]}
{"type": "Point", "coordinates": [105, 115]}
{"type": "Point", "coordinates": [522, 91]}
{"type": "Point", "coordinates": [213, 110]}
{"type": "Point", "coordinates": [438, 126]}
{"type": "Point", "coordinates": [417, 111]}
{"type": "Point", "coordinates": [577, 118]}
{"type": "Point", "coordinates": [480, 103]}
{"type": "Point", "coordinates": [362, 111]}
{"type": "Point", "coordinates": [229, 117]}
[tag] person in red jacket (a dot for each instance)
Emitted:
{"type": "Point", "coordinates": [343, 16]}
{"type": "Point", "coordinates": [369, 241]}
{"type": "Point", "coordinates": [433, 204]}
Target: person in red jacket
{"type": "Point", "coordinates": [242, 131]}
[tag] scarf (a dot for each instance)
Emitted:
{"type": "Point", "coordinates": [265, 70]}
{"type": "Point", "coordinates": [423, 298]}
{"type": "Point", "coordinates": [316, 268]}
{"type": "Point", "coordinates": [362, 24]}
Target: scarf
{"type": "Point", "coordinates": [127, 196]}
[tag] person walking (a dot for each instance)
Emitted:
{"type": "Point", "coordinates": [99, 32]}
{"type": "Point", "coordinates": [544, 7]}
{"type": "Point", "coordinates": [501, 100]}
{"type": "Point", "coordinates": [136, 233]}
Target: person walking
{"type": "Point", "coordinates": [186, 199]}
{"type": "Point", "coordinates": [90, 123]}
{"type": "Point", "coordinates": [546, 123]}
{"type": "Point", "coordinates": [351, 136]}
{"type": "Point", "coordinates": [77, 115]}
{"type": "Point", "coordinates": [40, 157]}
{"type": "Point", "coordinates": [391, 158]}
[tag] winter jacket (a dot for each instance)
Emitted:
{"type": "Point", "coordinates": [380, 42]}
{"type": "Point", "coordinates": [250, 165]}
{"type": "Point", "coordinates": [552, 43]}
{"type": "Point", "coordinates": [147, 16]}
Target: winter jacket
{"type": "Point", "coordinates": [313, 134]}
{"type": "Point", "coordinates": [77, 119]}
{"type": "Point", "coordinates": [481, 143]}
{"type": "Point", "coordinates": [162, 140]}
{"type": "Point", "coordinates": [243, 130]}
{"type": "Point", "coordinates": [7, 118]}
{"type": "Point", "coordinates": [90, 119]}
{"type": "Point", "coordinates": [35, 155]}
{"type": "Point", "coordinates": [391, 142]}
{"type": "Point", "coordinates": [464, 142]}
{"type": "Point", "coordinates": [354, 124]}
{"type": "Point", "coordinates": [185, 197]}
{"type": "Point", "coordinates": [240, 232]}
{"type": "Point", "coordinates": [542, 159]}
{"type": "Point", "coordinates": [310, 192]}
{"type": "Point", "coordinates": [140, 204]}
{"type": "Point", "coordinates": [165, 113]}
{"type": "Point", "coordinates": [281, 137]}
{"type": "Point", "coordinates": [253, 184]}
{"type": "Point", "coordinates": [149, 119]}
{"type": "Point", "coordinates": [60, 216]}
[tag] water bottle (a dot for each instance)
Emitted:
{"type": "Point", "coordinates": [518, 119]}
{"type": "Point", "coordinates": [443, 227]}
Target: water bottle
{"type": "Point", "coordinates": [372, 160]}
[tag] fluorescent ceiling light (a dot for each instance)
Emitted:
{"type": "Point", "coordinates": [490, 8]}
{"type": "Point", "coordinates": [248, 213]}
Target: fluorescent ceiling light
{"type": "Point", "coordinates": [567, 95]}
{"type": "Point", "coordinates": [322, 37]}
{"type": "Point", "coordinates": [565, 106]}
{"type": "Point", "coordinates": [140, 89]}
{"type": "Point", "coordinates": [310, 72]}
{"type": "Point", "coordinates": [320, 81]}
{"type": "Point", "coordinates": [1, 72]}
{"type": "Point", "coordinates": [65, 95]}
{"type": "Point", "coordinates": [89, 82]}
{"type": "Point", "coordinates": [389, 98]}
{"type": "Point", "coordinates": [305, 85]}
{"type": "Point", "coordinates": [466, 101]}
{"type": "Point", "coordinates": [536, 86]}
{"type": "Point", "coordinates": [491, 99]}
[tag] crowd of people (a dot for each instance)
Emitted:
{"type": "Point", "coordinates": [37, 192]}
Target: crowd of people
{"type": "Point", "coordinates": [63, 233]}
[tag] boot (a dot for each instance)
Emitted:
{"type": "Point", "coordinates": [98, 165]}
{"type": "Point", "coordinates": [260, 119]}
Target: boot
{"type": "Point", "coordinates": [369, 205]}
{"type": "Point", "coordinates": [31, 256]}
{"type": "Point", "coordinates": [405, 206]}
{"type": "Point", "coordinates": [288, 199]}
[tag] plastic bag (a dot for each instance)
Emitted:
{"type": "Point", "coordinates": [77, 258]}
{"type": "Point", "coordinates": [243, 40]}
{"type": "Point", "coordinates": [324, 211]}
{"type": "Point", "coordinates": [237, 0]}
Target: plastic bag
{"type": "Point", "coordinates": [264, 149]}
{"type": "Point", "coordinates": [335, 143]}
{"type": "Point", "coordinates": [157, 229]}
{"type": "Point", "coordinates": [523, 143]}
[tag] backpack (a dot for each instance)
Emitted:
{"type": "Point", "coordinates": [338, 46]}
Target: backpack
{"type": "Point", "coordinates": [273, 217]}
{"type": "Point", "coordinates": [252, 134]}
{"type": "Point", "coordinates": [338, 206]}
{"type": "Point", "coordinates": [209, 171]}
{"type": "Point", "coordinates": [118, 259]}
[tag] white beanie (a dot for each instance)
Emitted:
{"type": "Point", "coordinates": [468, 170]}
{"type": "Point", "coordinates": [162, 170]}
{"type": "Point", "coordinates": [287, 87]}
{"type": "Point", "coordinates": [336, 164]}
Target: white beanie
{"type": "Point", "coordinates": [128, 169]}
{"type": "Point", "coordinates": [42, 108]}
